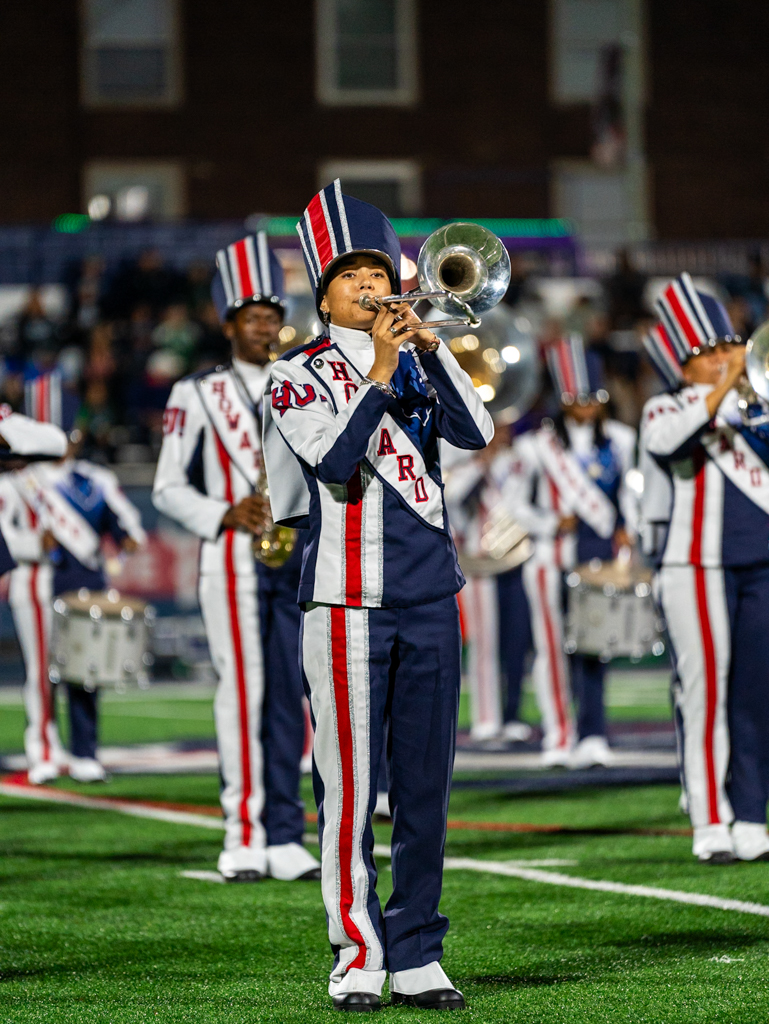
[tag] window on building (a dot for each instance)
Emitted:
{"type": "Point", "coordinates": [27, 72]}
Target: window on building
{"type": "Point", "coordinates": [135, 191]}
{"type": "Point", "coordinates": [581, 32]}
{"type": "Point", "coordinates": [366, 52]}
{"type": "Point", "coordinates": [394, 186]}
{"type": "Point", "coordinates": [130, 53]}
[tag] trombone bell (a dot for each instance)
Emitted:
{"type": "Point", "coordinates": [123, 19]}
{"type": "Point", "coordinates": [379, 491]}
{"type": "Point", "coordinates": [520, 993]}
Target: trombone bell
{"type": "Point", "coordinates": [463, 269]}
{"type": "Point", "coordinates": [757, 361]}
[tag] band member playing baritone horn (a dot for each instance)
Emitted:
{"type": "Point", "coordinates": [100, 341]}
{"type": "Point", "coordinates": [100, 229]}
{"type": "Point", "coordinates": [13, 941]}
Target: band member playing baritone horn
{"type": "Point", "coordinates": [351, 446]}
{"type": "Point", "coordinates": [207, 479]}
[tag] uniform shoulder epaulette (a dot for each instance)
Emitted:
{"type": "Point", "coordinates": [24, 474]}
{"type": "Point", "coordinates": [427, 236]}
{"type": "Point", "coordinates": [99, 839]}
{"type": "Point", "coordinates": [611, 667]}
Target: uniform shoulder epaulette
{"type": "Point", "coordinates": [309, 348]}
{"type": "Point", "coordinates": [202, 374]}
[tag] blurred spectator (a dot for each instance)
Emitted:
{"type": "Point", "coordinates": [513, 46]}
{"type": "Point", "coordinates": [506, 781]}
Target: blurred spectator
{"type": "Point", "coordinates": [148, 280]}
{"type": "Point", "coordinates": [198, 287]}
{"type": "Point", "coordinates": [33, 334]}
{"type": "Point", "coordinates": [86, 291]}
{"type": "Point", "coordinates": [213, 347]}
{"type": "Point", "coordinates": [95, 419]}
{"type": "Point", "coordinates": [624, 294]}
{"type": "Point", "coordinates": [177, 333]}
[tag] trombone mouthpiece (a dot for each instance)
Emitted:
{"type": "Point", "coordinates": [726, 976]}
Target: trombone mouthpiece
{"type": "Point", "coordinates": [368, 302]}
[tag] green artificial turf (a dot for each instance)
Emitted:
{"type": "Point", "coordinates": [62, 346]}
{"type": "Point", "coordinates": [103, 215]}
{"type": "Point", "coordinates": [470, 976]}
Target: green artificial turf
{"type": "Point", "coordinates": [96, 924]}
{"type": "Point", "coordinates": [169, 713]}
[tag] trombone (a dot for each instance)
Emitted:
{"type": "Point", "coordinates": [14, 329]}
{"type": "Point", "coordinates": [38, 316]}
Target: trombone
{"type": "Point", "coordinates": [463, 269]}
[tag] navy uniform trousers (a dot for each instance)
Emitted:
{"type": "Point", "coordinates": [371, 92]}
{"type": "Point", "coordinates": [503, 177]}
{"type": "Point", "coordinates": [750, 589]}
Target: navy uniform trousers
{"type": "Point", "coordinates": [746, 593]}
{"type": "Point", "coordinates": [515, 639]}
{"type": "Point", "coordinates": [283, 721]}
{"type": "Point", "coordinates": [383, 678]}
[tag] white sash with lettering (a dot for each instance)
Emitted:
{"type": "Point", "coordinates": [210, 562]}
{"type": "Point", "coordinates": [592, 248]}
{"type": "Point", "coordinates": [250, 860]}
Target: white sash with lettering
{"type": "Point", "coordinates": [739, 463]}
{"type": "Point", "coordinates": [56, 514]}
{"type": "Point", "coordinates": [233, 419]}
{"type": "Point", "coordinates": [581, 496]}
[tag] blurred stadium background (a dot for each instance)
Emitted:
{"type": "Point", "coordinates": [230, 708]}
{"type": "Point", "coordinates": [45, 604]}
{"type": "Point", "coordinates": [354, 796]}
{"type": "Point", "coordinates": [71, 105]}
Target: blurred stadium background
{"type": "Point", "coordinates": [611, 144]}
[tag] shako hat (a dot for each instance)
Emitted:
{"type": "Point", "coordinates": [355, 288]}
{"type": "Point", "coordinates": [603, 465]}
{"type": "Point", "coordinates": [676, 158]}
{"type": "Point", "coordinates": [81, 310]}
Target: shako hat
{"type": "Point", "coordinates": [248, 271]}
{"type": "Point", "coordinates": [334, 226]}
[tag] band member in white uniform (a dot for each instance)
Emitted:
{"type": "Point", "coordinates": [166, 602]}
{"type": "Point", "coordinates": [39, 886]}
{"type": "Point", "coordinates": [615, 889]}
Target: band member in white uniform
{"type": "Point", "coordinates": [575, 505]}
{"type": "Point", "coordinates": [351, 445]}
{"type": "Point", "coordinates": [208, 478]}
{"type": "Point", "coordinates": [494, 607]}
{"type": "Point", "coordinates": [714, 579]}
{"type": "Point", "coordinates": [73, 505]}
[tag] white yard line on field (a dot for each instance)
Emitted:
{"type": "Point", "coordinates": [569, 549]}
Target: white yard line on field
{"type": "Point", "coordinates": [511, 869]}
{"type": "Point", "coordinates": [651, 892]}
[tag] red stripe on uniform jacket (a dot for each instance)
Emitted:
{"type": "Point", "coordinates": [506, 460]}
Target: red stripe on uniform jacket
{"type": "Point", "coordinates": [353, 525]}
{"type": "Point", "coordinates": [347, 788]}
{"type": "Point", "coordinates": [698, 508]}
{"type": "Point", "coordinates": [237, 649]}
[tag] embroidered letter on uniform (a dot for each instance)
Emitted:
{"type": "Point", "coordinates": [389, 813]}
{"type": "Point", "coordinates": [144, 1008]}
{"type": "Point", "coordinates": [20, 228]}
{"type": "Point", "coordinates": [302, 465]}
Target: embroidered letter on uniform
{"type": "Point", "coordinates": [283, 398]}
{"type": "Point", "coordinates": [386, 446]}
{"type": "Point", "coordinates": [420, 491]}
{"type": "Point", "coordinates": [245, 441]}
{"type": "Point", "coordinates": [340, 370]}
{"type": "Point", "coordinates": [406, 467]}
{"type": "Point", "coordinates": [350, 389]}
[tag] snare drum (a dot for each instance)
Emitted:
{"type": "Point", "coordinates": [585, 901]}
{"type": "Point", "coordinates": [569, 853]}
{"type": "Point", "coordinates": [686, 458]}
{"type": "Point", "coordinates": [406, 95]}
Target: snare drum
{"type": "Point", "coordinates": [100, 639]}
{"type": "Point", "coordinates": [611, 612]}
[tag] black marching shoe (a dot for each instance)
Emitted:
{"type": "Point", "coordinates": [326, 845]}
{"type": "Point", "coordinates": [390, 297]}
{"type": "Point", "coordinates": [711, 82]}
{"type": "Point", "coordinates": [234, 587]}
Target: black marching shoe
{"type": "Point", "coordinates": [434, 999]}
{"type": "Point", "coordinates": [357, 1002]}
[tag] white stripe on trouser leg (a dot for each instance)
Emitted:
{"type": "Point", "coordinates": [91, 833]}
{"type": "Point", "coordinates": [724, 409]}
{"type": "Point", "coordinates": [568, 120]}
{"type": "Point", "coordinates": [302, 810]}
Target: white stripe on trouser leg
{"type": "Point", "coordinates": [30, 597]}
{"type": "Point", "coordinates": [550, 671]}
{"type": "Point", "coordinates": [482, 610]}
{"type": "Point", "coordinates": [335, 658]}
{"type": "Point", "coordinates": [237, 705]}
{"type": "Point", "coordinates": [702, 699]}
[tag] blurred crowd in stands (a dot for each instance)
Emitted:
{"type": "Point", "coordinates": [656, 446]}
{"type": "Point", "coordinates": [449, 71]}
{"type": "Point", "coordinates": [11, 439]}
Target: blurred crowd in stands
{"type": "Point", "coordinates": [127, 335]}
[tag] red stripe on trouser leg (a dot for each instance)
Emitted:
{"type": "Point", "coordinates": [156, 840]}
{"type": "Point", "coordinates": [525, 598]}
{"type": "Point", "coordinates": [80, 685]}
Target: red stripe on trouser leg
{"type": "Point", "coordinates": [42, 663]}
{"type": "Point", "coordinates": [237, 650]}
{"type": "Point", "coordinates": [320, 232]}
{"type": "Point", "coordinates": [347, 789]}
{"type": "Point", "coordinates": [553, 658]}
{"type": "Point", "coordinates": [711, 692]}
{"type": "Point", "coordinates": [353, 525]}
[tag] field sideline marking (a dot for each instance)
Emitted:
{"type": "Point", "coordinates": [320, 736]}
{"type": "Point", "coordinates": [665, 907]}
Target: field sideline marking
{"type": "Point", "coordinates": [511, 870]}
{"type": "Point", "coordinates": [60, 796]}
{"type": "Point", "coordinates": [570, 881]}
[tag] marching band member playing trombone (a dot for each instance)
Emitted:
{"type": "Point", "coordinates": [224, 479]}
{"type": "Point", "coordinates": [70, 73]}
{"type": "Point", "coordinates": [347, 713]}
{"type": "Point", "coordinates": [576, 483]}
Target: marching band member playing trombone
{"type": "Point", "coordinates": [714, 580]}
{"type": "Point", "coordinates": [351, 446]}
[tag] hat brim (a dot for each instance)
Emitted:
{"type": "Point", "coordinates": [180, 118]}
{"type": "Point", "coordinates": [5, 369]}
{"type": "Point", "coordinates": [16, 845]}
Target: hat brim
{"type": "Point", "coordinates": [325, 277]}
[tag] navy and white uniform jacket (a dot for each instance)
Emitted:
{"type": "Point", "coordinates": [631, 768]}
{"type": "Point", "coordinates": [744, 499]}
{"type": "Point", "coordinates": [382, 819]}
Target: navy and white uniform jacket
{"type": "Point", "coordinates": [657, 497]}
{"type": "Point", "coordinates": [78, 502]}
{"type": "Point", "coordinates": [720, 476]}
{"type": "Point", "coordinates": [551, 482]}
{"type": "Point", "coordinates": [371, 491]}
{"type": "Point", "coordinates": [211, 459]}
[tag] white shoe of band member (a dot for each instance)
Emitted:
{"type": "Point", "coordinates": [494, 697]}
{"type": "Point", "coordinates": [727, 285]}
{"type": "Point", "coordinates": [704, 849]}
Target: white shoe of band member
{"type": "Point", "coordinates": [558, 757]}
{"type": "Point", "coordinates": [290, 861]}
{"type": "Point", "coordinates": [591, 752]}
{"type": "Point", "coordinates": [45, 771]}
{"type": "Point", "coordinates": [484, 731]}
{"type": "Point", "coordinates": [516, 732]}
{"type": "Point", "coordinates": [419, 979]}
{"type": "Point", "coordinates": [358, 980]}
{"type": "Point", "coordinates": [710, 840]}
{"type": "Point", "coordinates": [242, 858]}
{"type": "Point", "coordinates": [86, 769]}
{"type": "Point", "coordinates": [750, 839]}
{"type": "Point", "coordinates": [383, 805]}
